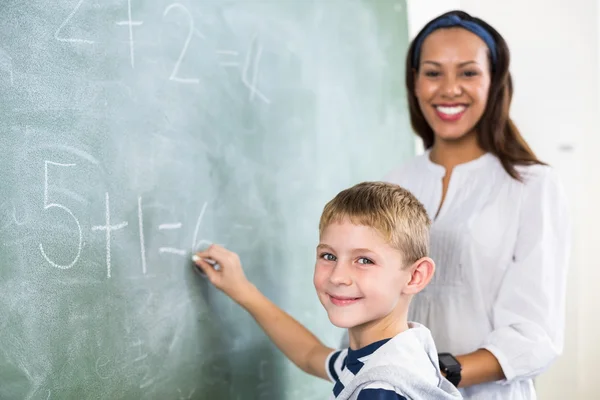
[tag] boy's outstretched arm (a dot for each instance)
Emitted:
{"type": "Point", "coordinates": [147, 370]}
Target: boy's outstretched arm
{"type": "Point", "coordinates": [295, 341]}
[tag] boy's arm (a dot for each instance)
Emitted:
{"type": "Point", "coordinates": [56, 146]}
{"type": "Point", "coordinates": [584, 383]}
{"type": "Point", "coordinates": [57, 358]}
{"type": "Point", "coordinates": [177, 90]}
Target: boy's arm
{"type": "Point", "coordinates": [295, 341]}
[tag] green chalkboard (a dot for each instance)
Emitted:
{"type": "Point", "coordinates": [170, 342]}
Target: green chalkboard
{"type": "Point", "coordinates": [134, 131]}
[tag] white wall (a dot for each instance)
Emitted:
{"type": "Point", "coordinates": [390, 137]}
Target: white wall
{"type": "Point", "coordinates": [555, 48]}
{"type": "Point", "coordinates": [422, 11]}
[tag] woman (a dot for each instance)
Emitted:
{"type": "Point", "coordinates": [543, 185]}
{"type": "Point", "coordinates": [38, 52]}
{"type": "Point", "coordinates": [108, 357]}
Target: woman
{"type": "Point", "coordinates": [499, 235]}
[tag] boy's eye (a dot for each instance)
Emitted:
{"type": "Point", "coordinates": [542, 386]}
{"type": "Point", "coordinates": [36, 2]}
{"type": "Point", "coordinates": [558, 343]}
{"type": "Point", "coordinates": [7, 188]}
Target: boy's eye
{"type": "Point", "coordinates": [328, 257]}
{"type": "Point", "coordinates": [364, 260]}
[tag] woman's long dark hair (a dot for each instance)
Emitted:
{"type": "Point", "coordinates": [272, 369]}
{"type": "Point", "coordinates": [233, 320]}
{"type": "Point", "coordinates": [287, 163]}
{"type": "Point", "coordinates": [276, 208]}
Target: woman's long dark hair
{"type": "Point", "coordinates": [496, 132]}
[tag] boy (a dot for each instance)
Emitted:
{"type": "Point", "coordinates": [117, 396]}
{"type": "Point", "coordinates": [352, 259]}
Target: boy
{"type": "Point", "coordinates": [371, 260]}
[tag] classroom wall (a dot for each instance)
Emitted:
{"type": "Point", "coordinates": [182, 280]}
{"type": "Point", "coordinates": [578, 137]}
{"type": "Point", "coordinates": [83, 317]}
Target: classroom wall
{"type": "Point", "coordinates": [555, 47]}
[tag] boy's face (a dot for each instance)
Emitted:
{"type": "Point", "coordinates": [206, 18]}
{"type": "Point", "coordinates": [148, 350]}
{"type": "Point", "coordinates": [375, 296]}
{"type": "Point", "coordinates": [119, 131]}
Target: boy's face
{"type": "Point", "coordinates": [358, 276]}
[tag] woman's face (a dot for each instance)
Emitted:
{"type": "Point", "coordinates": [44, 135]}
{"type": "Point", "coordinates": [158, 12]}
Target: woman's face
{"type": "Point", "coordinates": [453, 82]}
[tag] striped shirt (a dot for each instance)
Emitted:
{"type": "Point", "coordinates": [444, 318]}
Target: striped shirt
{"type": "Point", "coordinates": [405, 367]}
{"type": "Point", "coordinates": [344, 365]}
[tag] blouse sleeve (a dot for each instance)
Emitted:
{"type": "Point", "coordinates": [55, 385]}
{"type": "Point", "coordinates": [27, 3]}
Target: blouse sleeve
{"type": "Point", "coordinates": [528, 313]}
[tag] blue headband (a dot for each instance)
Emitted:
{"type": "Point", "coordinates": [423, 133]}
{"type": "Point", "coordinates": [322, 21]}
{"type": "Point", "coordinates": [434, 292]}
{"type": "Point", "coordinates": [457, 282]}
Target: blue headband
{"type": "Point", "coordinates": [451, 21]}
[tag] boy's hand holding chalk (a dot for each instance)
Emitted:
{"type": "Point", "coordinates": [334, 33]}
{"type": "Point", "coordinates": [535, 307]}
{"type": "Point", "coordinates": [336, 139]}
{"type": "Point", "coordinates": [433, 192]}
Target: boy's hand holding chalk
{"type": "Point", "coordinates": [224, 270]}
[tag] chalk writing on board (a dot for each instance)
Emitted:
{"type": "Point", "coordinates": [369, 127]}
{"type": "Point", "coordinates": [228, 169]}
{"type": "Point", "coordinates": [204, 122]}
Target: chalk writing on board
{"type": "Point", "coordinates": [141, 229]}
{"type": "Point", "coordinates": [130, 24]}
{"type": "Point", "coordinates": [134, 359]}
{"type": "Point", "coordinates": [251, 82]}
{"type": "Point", "coordinates": [174, 74]}
{"type": "Point", "coordinates": [108, 228]}
{"type": "Point", "coordinates": [188, 396]}
{"type": "Point", "coordinates": [57, 35]}
{"type": "Point", "coordinates": [195, 243]}
{"type": "Point", "coordinates": [250, 69]}
{"type": "Point", "coordinates": [48, 206]}
{"type": "Point", "coordinates": [172, 250]}
{"type": "Point", "coordinates": [175, 225]}
{"type": "Point", "coordinates": [68, 149]}
{"type": "Point", "coordinates": [228, 54]}
{"type": "Point", "coordinates": [103, 369]}
{"type": "Point", "coordinates": [18, 221]}
{"type": "Point", "coordinates": [147, 383]}
{"type": "Point", "coordinates": [199, 34]}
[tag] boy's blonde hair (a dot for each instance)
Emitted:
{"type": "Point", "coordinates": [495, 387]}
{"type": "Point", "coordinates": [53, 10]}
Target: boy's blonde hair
{"type": "Point", "coordinates": [388, 208]}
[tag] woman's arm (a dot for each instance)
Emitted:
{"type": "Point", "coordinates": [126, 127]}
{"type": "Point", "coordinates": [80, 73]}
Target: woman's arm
{"type": "Point", "coordinates": [479, 367]}
{"type": "Point", "coordinates": [295, 341]}
{"type": "Point", "coordinates": [528, 313]}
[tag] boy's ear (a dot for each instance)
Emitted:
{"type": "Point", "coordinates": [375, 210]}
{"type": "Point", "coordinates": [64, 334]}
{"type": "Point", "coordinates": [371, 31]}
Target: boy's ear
{"type": "Point", "coordinates": [421, 273]}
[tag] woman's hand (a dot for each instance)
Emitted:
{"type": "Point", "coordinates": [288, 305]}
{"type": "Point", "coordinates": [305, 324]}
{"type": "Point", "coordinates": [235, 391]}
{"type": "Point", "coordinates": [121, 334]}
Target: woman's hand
{"type": "Point", "coordinates": [227, 274]}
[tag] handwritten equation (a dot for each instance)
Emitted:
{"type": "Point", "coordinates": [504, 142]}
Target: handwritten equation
{"type": "Point", "coordinates": [109, 226]}
{"type": "Point", "coordinates": [249, 68]}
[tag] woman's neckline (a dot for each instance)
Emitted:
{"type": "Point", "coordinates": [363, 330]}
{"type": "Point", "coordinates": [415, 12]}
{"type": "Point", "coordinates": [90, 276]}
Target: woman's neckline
{"type": "Point", "coordinates": [467, 165]}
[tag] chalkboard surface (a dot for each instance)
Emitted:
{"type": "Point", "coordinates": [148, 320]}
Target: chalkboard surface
{"type": "Point", "coordinates": [134, 131]}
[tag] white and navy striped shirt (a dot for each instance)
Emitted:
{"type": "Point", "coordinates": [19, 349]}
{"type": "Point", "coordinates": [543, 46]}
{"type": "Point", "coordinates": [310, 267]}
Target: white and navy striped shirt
{"type": "Point", "coordinates": [343, 366]}
{"type": "Point", "coordinates": [404, 367]}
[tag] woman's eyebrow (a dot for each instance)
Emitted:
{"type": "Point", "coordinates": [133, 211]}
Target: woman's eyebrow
{"type": "Point", "coordinates": [437, 64]}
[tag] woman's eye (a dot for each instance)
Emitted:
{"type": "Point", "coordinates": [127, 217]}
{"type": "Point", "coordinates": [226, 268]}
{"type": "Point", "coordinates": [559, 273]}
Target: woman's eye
{"type": "Point", "coordinates": [328, 257]}
{"type": "Point", "coordinates": [364, 260]}
{"type": "Point", "coordinates": [432, 74]}
{"type": "Point", "coordinates": [471, 74]}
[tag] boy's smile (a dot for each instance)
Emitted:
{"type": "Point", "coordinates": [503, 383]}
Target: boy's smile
{"type": "Point", "coordinates": [342, 301]}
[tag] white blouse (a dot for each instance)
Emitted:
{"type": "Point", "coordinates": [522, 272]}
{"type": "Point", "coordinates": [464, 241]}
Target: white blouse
{"type": "Point", "coordinates": [501, 250]}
